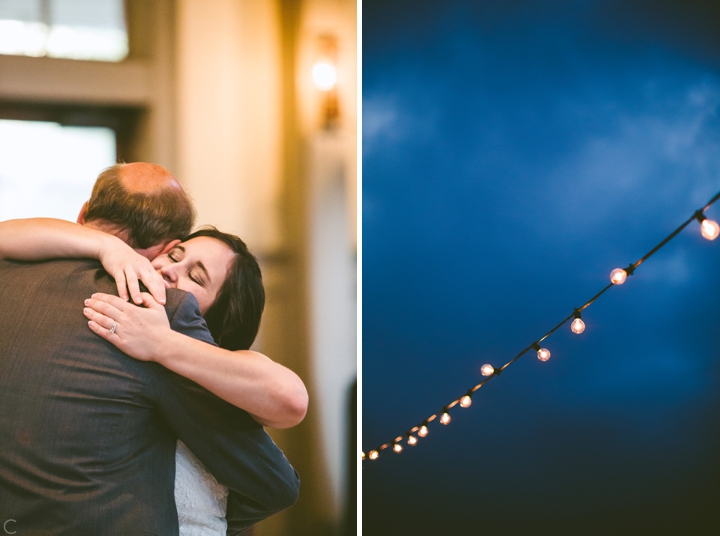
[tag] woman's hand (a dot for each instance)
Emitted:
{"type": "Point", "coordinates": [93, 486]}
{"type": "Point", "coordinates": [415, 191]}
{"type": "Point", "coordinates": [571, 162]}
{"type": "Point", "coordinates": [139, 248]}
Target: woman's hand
{"type": "Point", "coordinates": [139, 332]}
{"type": "Point", "coordinates": [128, 267]}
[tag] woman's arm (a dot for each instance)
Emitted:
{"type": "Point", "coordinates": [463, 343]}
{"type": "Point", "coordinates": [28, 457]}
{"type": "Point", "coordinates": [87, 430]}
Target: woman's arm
{"type": "Point", "coordinates": [274, 395]}
{"type": "Point", "coordinates": [36, 239]}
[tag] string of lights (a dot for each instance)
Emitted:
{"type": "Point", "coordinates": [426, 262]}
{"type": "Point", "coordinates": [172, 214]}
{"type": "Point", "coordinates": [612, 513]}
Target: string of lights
{"type": "Point", "coordinates": [708, 228]}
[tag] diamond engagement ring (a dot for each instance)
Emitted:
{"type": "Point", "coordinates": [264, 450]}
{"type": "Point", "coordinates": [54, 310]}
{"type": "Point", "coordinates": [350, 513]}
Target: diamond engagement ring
{"type": "Point", "coordinates": [114, 327]}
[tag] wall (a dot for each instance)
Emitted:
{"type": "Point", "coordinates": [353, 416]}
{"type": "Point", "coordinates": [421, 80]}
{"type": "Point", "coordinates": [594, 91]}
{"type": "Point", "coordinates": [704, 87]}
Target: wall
{"type": "Point", "coordinates": [252, 154]}
{"type": "Point", "coordinates": [228, 84]}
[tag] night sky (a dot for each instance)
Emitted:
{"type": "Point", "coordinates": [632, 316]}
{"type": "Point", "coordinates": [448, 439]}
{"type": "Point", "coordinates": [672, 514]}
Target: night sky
{"type": "Point", "coordinates": [513, 154]}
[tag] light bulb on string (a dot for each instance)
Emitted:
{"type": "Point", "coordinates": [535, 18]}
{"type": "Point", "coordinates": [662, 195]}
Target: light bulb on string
{"type": "Point", "coordinates": [363, 455]}
{"type": "Point", "coordinates": [487, 370]}
{"type": "Point", "coordinates": [445, 417]}
{"type": "Point", "coordinates": [618, 276]}
{"type": "Point", "coordinates": [708, 228]}
{"type": "Point", "coordinates": [577, 326]}
{"type": "Point", "coordinates": [397, 447]}
{"type": "Point", "coordinates": [374, 454]}
{"type": "Point", "coordinates": [412, 440]}
{"type": "Point", "coordinates": [423, 431]}
{"type": "Point", "coordinates": [466, 400]}
{"type": "Point", "coordinates": [542, 353]}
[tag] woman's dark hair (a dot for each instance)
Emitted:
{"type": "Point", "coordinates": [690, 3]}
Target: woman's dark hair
{"type": "Point", "coordinates": [234, 316]}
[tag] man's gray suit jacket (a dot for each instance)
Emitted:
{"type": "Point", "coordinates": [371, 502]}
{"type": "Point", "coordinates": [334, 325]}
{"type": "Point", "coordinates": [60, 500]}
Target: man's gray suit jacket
{"type": "Point", "coordinates": [88, 434]}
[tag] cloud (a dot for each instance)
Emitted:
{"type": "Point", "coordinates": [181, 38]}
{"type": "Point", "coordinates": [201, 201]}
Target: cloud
{"type": "Point", "coordinates": [380, 122]}
{"type": "Point", "coordinates": [664, 154]}
{"type": "Point", "coordinates": [378, 116]}
{"type": "Point", "coordinates": [408, 115]}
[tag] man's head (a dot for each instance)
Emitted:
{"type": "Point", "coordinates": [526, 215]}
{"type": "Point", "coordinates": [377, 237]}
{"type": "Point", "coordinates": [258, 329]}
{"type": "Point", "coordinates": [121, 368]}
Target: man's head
{"type": "Point", "coordinates": [141, 203]}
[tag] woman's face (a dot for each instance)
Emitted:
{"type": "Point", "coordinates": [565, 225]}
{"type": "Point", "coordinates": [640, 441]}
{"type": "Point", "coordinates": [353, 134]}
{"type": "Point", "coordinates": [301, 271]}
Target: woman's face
{"type": "Point", "coordinates": [198, 266]}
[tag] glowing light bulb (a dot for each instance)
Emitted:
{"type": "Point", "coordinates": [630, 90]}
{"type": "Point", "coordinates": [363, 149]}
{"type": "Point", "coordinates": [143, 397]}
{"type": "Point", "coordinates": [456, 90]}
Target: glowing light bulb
{"type": "Point", "coordinates": [363, 455]}
{"type": "Point", "coordinates": [445, 418]}
{"type": "Point", "coordinates": [324, 76]}
{"type": "Point", "coordinates": [543, 354]}
{"type": "Point", "coordinates": [423, 431]}
{"type": "Point", "coordinates": [465, 401]}
{"type": "Point", "coordinates": [397, 447]}
{"type": "Point", "coordinates": [412, 440]}
{"type": "Point", "coordinates": [487, 370]}
{"type": "Point", "coordinates": [618, 276]}
{"type": "Point", "coordinates": [374, 454]}
{"type": "Point", "coordinates": [577, 326]}
{"type": "Point", "coordinates": [709, 229]}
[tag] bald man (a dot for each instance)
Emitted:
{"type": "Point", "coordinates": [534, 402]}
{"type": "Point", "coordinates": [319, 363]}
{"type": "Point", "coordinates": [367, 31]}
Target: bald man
{"type": "Point", "coordinates": [88, 434]}
{"type": "Point", "coordinates": [141, 203]}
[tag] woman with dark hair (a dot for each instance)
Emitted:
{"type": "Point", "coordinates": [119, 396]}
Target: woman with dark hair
{"type": "Point", "coordinates": [234, 318]}
{"type": "Point", "coordinates": [225, 279]}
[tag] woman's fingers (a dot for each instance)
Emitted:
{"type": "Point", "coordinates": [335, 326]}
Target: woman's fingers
{"type": "Point", "coordinates": [99, 330]}
{"type": "Point", "coordinates": [128, 276]}
{"type": "Point", "coordinates": [119, 278]}
{"type": "Point", "coordinates": [113, 300]}
{"type": "Point", "coordinates": [108, 305]}
{"type": "Point", "coordinates": [100, 320]}
{"type": "Point", "coordinates": [133, 285]}
{"type": "Point", "coordinates": [150, 302]}
{"type": "Point", "coordinates": [137, 331]}
{"type": "Point", "coordinates": [155, 285]}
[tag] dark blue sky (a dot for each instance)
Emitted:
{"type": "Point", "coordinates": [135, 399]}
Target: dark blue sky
{"type": "Point", "coordinates": [514, 153]}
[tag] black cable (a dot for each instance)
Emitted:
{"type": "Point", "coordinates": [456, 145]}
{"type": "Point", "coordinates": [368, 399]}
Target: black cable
{"type": "Point", "coordinates": [575, 314]}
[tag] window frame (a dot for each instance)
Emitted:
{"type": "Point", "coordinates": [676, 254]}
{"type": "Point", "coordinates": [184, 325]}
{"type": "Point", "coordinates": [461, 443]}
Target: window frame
{"type": "Point", "coordinates": [123, 120]}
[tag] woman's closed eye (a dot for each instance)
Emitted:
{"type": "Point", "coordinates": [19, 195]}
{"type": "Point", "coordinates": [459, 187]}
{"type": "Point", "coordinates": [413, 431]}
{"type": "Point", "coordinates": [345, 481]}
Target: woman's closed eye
{"type": "Point", "coordinates": [196, 279]}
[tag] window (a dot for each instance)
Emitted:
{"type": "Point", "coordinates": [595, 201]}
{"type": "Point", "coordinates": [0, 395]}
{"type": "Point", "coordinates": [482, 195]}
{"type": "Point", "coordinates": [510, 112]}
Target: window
{"type": "Point", "coordinates": [75, 29]}
{"type": "Point", "coordinates": [47, 169]}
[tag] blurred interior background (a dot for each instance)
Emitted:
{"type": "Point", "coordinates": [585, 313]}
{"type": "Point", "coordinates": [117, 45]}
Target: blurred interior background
{"type": "Point", "coordinates": [252, 105]}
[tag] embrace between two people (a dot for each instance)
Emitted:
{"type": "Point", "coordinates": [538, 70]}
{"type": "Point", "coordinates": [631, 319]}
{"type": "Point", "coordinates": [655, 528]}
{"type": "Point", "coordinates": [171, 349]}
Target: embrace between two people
{"type": "Point", "coordinates": [105, 438]}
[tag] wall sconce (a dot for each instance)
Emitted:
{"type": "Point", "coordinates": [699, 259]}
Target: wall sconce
{"type": "Point", "coordinates": [324, 74]}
